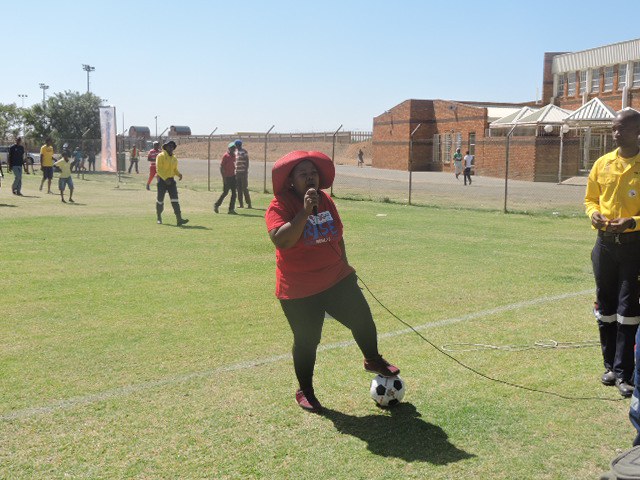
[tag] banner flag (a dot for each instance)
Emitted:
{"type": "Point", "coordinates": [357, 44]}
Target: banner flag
{"type": "Point", "coordinates": [108, 134]}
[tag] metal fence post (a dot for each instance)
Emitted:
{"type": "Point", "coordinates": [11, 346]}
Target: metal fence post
{"type": "Point", "coordinates": [266, 136]}
{"type": "Point", "coordinates": [333, 152]}
{"type": "Point", "coordinates": [506, 168]}
{"type": "Point", "coordinates": [411, 160]}
{"type": "Point", "coordinates": [209, 160]}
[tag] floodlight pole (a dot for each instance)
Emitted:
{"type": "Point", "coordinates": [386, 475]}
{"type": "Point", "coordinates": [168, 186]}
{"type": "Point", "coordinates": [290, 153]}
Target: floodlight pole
{"type": "Point", "coordinates": [88, 69]}
{"type": "Point", "coordinates": [506, 168]}
{"type": "Point", "coordinates": [44, 89]}
{"type": "Point", "coordinates": [333, 151]}
{"type": "Point", "coordinates": [411, 160]}
{"type": "Point", "coordinates": [209, 160]}
{"type": "Point", "coordinates": [266, 136]}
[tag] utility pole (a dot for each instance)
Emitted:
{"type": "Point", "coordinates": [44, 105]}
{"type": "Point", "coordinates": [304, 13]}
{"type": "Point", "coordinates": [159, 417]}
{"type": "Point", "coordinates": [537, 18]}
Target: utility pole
{"type": "Point", "coordinates": [156, 117]}
{"type": "Point", "coordinates": [44, 89]}
{"type": "Point", "coordinates": [88, 69]}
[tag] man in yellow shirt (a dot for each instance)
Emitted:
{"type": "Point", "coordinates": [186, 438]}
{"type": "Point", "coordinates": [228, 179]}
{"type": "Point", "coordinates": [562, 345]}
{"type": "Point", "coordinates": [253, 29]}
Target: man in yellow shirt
{"type": "Point", "coordinates": [613, 204]}
{"type": "Point", "coordinates": [167, 169]}
{"type": "Point", "coordinates": [46, 163]}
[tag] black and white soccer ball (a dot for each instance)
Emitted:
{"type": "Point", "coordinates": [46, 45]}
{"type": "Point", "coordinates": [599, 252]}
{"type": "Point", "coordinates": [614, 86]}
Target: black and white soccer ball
{"type": "Point", "coordinates": [387, 391]}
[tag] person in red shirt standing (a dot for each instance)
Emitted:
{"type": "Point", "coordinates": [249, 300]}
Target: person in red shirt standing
{"type": "Point", "coordinates": [313, 276]}
{"type": "Point", "coordinates": [228, 172]}
{"type": "Point", "coordinates": [151, 158]}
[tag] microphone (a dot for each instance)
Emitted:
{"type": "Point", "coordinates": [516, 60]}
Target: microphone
{"type": "Point", "coordinates": [315, 207]}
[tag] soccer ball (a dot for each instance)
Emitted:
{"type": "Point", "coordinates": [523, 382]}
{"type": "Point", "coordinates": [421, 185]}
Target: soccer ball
{"type": "Point", "coordinates": [387, 391]}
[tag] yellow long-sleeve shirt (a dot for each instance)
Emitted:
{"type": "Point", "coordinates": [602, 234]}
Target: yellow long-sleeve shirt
{"type": "Point", "coordinates": [167, 165]}
{"type": "Point", "coordinates": [613, 187]}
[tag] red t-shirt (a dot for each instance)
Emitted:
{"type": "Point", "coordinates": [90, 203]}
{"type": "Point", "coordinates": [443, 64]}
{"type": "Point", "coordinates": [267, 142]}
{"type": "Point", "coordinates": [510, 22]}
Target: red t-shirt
{"type": "Point", "coordinates": [228, 165]}
{"type": "Point", "coordinates": [315, 262]}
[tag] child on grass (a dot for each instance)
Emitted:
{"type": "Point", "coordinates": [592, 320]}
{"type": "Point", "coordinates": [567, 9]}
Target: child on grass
{"type": "Point", "coordinates": [65, 176]}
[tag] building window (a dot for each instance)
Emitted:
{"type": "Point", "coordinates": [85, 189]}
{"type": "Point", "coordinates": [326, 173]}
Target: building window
{"type": "Point", "coordinates": [595, 80]}
{"type": "Point", "coordinates": [636, 74]}
{"type": "Point", "coordinates": [571, 84]}
{"type": "Point", "coordinates": [561, 85]}
{"type": "Point", "coordinates": [583, 82]}
{"type": "Point", "coordinates": [622, 76]}
{"type": "Point", "coordinates": [436, 148]}
{"type": "Point", "coordinates": [608, 79]}
{"type": "Point", "coordinates": [472, 143]}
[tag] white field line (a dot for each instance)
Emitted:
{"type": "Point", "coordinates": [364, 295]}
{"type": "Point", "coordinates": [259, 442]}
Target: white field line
{"type": "Point", "coordinates": [175, 379]}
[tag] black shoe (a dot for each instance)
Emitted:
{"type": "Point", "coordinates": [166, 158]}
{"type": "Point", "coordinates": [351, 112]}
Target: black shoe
{"type": "Point", "coordinates": [625, 389]}
{"type": "Point", "coordinates": [608, 378]}
{"type": "Point", "coordinates": [232, 212]}
{"type": "Point", "coordinates": [216, 208]}
{"type": "Point", "coordinates": [183, 221]}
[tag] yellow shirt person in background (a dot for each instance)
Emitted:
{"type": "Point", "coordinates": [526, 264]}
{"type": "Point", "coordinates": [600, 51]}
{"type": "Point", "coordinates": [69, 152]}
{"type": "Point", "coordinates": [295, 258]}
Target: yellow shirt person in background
{"type": "Point", "coordinates": [167, 169]}
{"type": "Point", "coordinates": [46, 163]}
{"type": "Point", "coordinates": [612, 203]}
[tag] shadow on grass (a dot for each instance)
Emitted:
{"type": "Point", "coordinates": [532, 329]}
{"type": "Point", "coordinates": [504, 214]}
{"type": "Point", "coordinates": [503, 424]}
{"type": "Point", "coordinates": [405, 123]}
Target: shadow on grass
{"type": "Point", "coordinates": [186, 227]}
{"type": "Point", "coordinates": [402, 434]}
{"type": "Point", "coordinates": [7, 205]}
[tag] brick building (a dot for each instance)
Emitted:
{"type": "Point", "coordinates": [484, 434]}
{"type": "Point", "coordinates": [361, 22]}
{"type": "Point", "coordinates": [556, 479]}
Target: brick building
{"type": "Point", "coordinates": [610, 73]}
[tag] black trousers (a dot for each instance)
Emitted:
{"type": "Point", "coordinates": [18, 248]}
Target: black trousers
{"type": "Point", "coordinates": [229, 185]}
{"type": "Point", "coordinates": [133, 162]}
{"type": "Point", "coordinates": [242, 181]}
{"type": "Point", "coordinates": [344, 302]}
{"type": "Point", "coordinates": [467, 175]}
{"type": "Point", "coordinates": [615, 268]}
{"type": "Point", "coordinates": [167, 186]}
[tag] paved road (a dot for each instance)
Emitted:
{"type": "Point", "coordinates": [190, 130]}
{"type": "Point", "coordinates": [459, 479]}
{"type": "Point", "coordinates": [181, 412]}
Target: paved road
{"type": "Point", "coordinates": [434, 188]}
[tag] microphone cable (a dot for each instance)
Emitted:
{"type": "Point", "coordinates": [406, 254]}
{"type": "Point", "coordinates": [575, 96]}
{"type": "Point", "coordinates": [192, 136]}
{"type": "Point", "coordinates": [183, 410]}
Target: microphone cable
{"type": "Point", "coordinates": [451, 357]}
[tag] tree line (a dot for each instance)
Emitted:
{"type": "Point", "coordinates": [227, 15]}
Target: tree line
{"type": "Point", "coordinates": [63, 116]}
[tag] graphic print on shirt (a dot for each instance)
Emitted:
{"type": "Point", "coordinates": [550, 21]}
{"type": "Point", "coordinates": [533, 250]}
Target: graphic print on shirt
{"type": "Point", "coordinates": [319, 229]}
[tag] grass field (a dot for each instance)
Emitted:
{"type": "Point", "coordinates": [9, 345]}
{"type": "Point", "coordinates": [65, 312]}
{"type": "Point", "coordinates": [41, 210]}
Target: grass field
{"type": "Point", "coordinates": [135, 350]}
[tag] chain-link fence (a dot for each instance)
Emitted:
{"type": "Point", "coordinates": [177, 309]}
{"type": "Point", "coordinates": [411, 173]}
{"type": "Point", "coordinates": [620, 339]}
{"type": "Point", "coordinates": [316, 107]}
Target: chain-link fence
{"type": "Point", "coordinates": [489, 188]}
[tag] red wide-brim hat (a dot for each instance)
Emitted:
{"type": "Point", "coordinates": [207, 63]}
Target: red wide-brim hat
{"type": "Point", "coordinates": [283, 167]}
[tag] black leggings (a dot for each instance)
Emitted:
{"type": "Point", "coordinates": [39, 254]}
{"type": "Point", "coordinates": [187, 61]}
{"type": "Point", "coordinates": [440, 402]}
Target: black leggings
{"type": "Point", "coordinates": [344, 302]}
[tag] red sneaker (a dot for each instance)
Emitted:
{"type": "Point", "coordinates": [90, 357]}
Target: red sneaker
{"type": "Point", "coordinates": [380, 366]}
{"type": "Point", "coordinates": [308, 401]}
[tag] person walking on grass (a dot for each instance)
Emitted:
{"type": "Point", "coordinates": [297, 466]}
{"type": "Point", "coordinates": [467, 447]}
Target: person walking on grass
{"type": "Point", "coordinates": [167, 166]}
{"type": "Point", "coordinates": [134, 158]}
{"type": "Point", "coordinates": [228, 172]}
{"type": "Point", "coordinates": [468, 162]}
{"type": "Point", "coordinates": [457, 162]}
{"type": "Point", "coordinates": [151, 158]}
{"type": "Point", "coordinates": [313, 276]}
{"type": "Point", "coordinates": [46, 163]}
{"type": "Point", "coordinates": [15, 159]}
{"type": "Point", "coordinates": [242, 174]}
{"type": "Point", "coordinates": [612, 202]}
{"type": "Point", "coordinates": [78, 160]}
{"type": "Point", "coordinates": [65, 176]}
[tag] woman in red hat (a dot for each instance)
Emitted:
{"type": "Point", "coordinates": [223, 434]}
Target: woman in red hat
{"type": "Point", "coordinates": [313, 276]}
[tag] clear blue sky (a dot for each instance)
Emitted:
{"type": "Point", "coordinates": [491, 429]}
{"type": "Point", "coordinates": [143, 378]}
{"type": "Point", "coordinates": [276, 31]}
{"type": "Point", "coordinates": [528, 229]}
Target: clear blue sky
{"type": "Point", "coordinates": [301, 65]}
